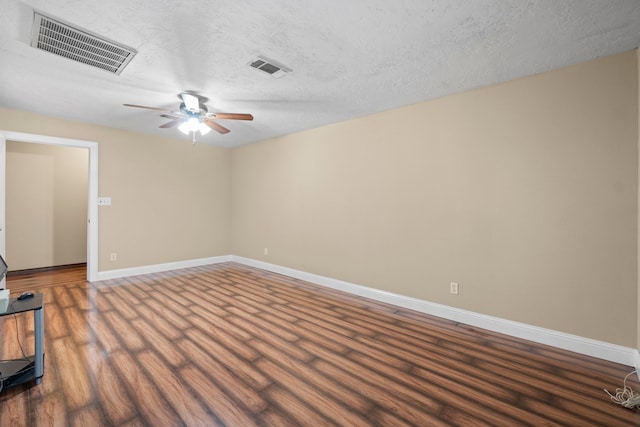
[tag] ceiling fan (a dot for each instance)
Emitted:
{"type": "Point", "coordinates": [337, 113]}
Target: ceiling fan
{"type": "Point", "coordinates": [193, 116]}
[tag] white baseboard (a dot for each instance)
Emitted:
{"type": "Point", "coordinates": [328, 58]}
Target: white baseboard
{"type": "Point", "coordinates": [600, 349]}
{"type": "Point", "coordinates": [158, 268]}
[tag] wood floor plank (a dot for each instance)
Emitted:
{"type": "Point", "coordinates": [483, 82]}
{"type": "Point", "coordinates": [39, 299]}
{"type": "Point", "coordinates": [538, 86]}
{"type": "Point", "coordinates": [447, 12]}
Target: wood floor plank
{"type": "Point", "coordinates": [227, 410]}
{"type": "Point", "coordinates": [162, 346]}
{"type": "Point", "coordinates": [80, 298]}
{"type": "Point", "coordinates": [445, 390]}
{"type": "Point", "coordinates": [117, 405]}
{"type": "Point", "coordinates": [201, 304]}
{"type": "Point", "coordinates": [90, 416]}
{"type": "Point", "coordinates": [56, 326]}
{"type": "Point", "coordinates": [61, 296]}
{"type": "Point", "coordinates": [51, 411]}
{"type": "Point", "coordinates": [72, 373]}
{"type": "Point", "coordinates": [274, 326]}
{"type": "Point", "coordinates": [126, 311]}
{"type": "Point", "coordinates": [323, 337]}
{"type": "Point", "coordinates": [322, 403]}
{"type": "Point", "coordinates": [76, 321]}
{"type": "Point", "coordinates": [212, 321]}
{"type": "Point", "coordinates": [105, 334]}
{"type": "Point", "coordinates": [150, 401]}
{"type": "Point", "coordinates": [177, 320]}
{"type": "Point", "coordinates": [384, 398]}
{"type": "Point", "coordinates": [296, 409]}
{"type": "Point", "coordinates": [165, 328]}
{"type": "Point", "coordinates": [275, 418]}
{"type": "Point", "coordinates": [233, 345]}
{"type": "Point", "coordinates": [188, 408]}
{"type": "Point", "coordinates": [228, 380]}
{"type": "Point", "coordinates": [302, 373]}
{"type": "Point", "coordinates": [220, 335]}
{"type": "Point", "coordinates": [235, 363]}
{"type": "Point", "coordinates": [366, 378]}
{"type": "Point", "coordinates": [15, 409]}
{"type": "Point", "coordinates": [124, 332]}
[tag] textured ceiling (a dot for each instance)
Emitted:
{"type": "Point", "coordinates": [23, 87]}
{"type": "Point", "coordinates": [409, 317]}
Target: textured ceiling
{"type": "Point", "coordinates": [349, 57]}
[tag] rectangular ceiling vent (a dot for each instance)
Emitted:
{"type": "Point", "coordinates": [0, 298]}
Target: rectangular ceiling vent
{"type": "Point", "coordinates": [79, 45]}
{"type": "Point", "coordinates": [269, 67]}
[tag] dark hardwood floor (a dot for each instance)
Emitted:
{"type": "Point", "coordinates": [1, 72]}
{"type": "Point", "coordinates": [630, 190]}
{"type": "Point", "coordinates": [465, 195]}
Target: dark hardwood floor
{"type": "Point", "coordinates": [232, 345]}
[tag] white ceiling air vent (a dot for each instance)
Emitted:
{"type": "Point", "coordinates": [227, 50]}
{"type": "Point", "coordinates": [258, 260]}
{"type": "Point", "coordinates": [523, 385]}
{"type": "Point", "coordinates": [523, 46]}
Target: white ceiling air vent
{"type": "Point", "coordinates": [269, 67]}
{"type": "Point", "coordinates": [79, 45]}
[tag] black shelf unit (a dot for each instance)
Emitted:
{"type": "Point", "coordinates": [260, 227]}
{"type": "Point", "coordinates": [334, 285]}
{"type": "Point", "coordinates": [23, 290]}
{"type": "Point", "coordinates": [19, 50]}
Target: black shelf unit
{"type": "Point", "coordinates": [19, 371]}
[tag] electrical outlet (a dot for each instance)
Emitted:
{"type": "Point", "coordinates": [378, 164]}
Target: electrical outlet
{"type": "Point", "coordinates": [453, 288]}
{"type": "Point", "coordinates": [266, 251]}
{"type": "Point", "coordinates": [114, 256]}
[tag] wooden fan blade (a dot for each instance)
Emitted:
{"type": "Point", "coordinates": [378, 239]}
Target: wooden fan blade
{"type": "Point", "coordinates": [148, 108]}
{"type": "Point", "coordinates": [172, 116]}
{"type": "Point", "coordinates": [172, 123]}
{"type": "Point", "coordinates": [233, 116]}
{"type": "Point", "coordinates": [215, 126]}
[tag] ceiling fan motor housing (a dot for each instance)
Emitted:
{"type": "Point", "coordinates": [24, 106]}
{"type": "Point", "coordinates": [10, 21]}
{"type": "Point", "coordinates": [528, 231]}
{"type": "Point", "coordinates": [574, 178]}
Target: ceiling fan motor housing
{"type": "Point", "coordinates": [203, 110]}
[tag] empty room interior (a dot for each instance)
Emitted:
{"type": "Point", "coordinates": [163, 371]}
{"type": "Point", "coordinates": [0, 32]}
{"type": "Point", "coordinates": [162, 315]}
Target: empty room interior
{"type": "Point", "coordinates": [334, 213]}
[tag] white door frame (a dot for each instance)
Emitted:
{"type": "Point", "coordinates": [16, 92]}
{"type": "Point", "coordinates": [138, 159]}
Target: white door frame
{"type": "Point", "coordinates": [92, 211]}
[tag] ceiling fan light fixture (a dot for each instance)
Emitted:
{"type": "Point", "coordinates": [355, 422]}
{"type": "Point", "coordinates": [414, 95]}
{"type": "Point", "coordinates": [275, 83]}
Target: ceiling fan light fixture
{"type": "Point", "coordinates": [204, 129]}
{"type": "Point", "coordinates": [193, 124]}
{"type": "Point", "coordinates": [184, 128]}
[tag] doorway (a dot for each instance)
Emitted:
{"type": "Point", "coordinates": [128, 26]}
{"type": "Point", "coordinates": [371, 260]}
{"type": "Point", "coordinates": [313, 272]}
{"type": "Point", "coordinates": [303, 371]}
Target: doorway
{"type": "Point", "coordinates": [92, 197]}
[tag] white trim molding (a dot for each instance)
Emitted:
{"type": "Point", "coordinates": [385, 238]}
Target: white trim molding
{"type": "Point", "coordinates": [92, 196]}
{"type": "Point", "coordinates": [590, 347]}
{"type": "Point", "coordinates": [587, 346]}
{"type": "Point", "coordinates": [159, 268]}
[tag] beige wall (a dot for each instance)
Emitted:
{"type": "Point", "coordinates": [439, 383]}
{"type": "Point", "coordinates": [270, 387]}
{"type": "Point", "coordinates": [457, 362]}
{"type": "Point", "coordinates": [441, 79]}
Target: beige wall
{"type": "Point", "coordinates": [525, 193]}
{"type": "Point", "coordinates": [46, 205]}
{"type": "Point", "coordinates": [170, 197]}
